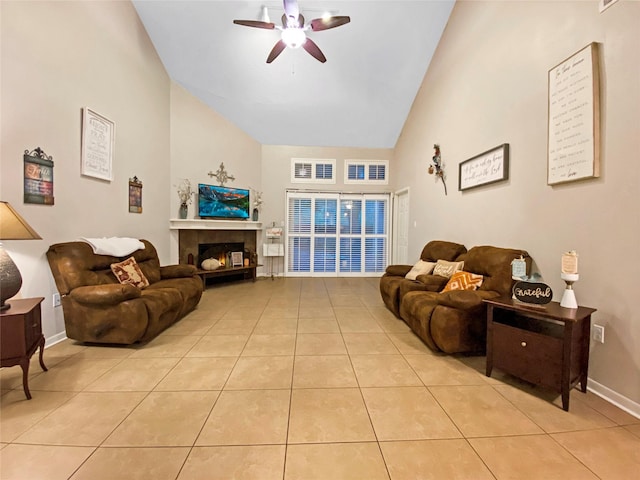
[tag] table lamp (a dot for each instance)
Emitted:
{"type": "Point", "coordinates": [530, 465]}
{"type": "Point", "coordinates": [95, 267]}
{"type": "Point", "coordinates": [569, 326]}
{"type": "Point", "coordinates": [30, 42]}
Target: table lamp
{"type": "Point", "coordinates": [12, 227]}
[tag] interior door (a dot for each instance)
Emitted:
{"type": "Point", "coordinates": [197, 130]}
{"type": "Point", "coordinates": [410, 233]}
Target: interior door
{"type": "Point", "coordinates": [401, 227]}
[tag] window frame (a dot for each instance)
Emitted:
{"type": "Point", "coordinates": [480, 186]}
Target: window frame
{"type": "Point", "coordinates": [366, 164]}
{"type": "Point", "coordinates": [313, 162]}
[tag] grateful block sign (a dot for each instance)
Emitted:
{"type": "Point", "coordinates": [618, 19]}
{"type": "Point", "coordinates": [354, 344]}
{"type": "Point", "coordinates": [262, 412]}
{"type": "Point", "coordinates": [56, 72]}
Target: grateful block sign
{"type": "Point", "coordinates": [533, 292]}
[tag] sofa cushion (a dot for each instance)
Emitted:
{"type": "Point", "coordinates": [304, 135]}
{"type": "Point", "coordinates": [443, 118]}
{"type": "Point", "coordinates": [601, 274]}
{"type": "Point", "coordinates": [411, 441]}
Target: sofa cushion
{"type": "Point", "coordinates": [420, 268]}
{"type": "Point", "coordinates": [446, 269]}
{"type": "Point", "coordinates": [441, 250]}
{"type": "Point", "coordinates": [494, 264]}
{"type": "Point", "coordinates": [129, 272]}
{"type": "Point", "coordinates": [463, 281]}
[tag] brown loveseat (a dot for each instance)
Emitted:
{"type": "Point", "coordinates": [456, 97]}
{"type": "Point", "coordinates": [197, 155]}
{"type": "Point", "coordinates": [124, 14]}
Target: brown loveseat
{"type": "Point", "coordinates": [97, 308]}
{"type": "Point", "coordinates": [455, 321]}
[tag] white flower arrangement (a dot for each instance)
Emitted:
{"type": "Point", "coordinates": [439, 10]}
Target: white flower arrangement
{"type": "Point", "coordinates": [185, 192]}
{"type": "Point", "coordinates": [257, 199]}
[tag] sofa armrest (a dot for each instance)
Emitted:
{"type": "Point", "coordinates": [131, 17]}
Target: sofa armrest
{"type": "Point", "coordinates": [177, 271]}
{"type": "Point", "coordinates": [398, 270]}
{"type": "Point", "coordinates": [109, 294]}
{"type": "Point", "coordinates": [433, 283]}
{"type": "Point", "coordinates": [465, 299]}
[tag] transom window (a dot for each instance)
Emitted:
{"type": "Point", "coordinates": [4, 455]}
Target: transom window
{"type": "Point", "coordinates": [313, 170]}
{"type": "Point", "coordinates": [366, 171]}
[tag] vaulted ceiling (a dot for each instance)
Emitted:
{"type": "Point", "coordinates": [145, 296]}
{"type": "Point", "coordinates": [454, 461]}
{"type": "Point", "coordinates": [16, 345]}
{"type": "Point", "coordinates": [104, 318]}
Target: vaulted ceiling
{"type": "Point", "coordinates": [359, 98]}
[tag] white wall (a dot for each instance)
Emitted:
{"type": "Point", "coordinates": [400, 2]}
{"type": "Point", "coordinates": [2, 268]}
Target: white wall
{"type": "Point", "coordinates": [58, 57]}
{"type": "Point", "coordinates": [487, 85]}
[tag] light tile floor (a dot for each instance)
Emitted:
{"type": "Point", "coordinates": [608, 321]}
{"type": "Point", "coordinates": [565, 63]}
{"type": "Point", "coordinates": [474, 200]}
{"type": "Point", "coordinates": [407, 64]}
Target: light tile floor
{"type": "Point", "coordinates": [297, 379]}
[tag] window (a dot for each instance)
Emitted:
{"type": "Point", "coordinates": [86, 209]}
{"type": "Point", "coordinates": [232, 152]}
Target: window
{"type": "Point", "coordinates": [366, 171]}
{"type": "Point", "coordinates": [310, 170]}
{"type": "Point", "coordinates": [331, 234]}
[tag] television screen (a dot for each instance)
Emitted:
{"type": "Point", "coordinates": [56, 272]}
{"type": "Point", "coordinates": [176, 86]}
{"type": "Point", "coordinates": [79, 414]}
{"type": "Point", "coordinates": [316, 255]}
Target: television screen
{"type": "Point", "coordinates": [222, 202]}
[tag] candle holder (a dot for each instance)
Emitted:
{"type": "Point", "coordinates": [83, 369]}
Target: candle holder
{"type": "Point", "coordinates": [569, 295]}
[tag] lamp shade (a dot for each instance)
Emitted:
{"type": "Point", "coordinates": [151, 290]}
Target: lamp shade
{"type": "Point", "coordinates": [13, 226]}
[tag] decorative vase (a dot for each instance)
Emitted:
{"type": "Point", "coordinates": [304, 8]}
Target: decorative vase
{"type": "Point", "coordinates": [254, 216]}
{"type": "Point", "coordinates": [184, 210]}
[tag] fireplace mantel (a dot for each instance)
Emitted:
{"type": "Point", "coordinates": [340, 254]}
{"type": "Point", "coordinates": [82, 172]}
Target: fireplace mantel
{"type": "Point", "coordinates": [199, 224]}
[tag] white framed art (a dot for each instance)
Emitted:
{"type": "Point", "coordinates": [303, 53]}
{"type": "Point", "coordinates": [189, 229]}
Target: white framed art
{"type": "Point", "coordinates": [574, 118]}
{"type": "Point", "coordinates": [98, 139]}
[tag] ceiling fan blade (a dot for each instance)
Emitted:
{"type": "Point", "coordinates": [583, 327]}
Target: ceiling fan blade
{"type": "Point", "coordinates": [318, 24]}
{"type": "Point", "coordinates": [276, 50]}
{"type": "Point", "coordinates": [255, 24]}
{"type": "Point", "coordinates": [313, 50]}
{"type": "Point", "coordinates": [300, 21]}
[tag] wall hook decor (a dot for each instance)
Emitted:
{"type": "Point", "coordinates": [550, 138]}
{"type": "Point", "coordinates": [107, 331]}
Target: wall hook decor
{"type": "Point", "coordinates": [437, 167]}
{"type": "Point", "coordinates": [222, 175]}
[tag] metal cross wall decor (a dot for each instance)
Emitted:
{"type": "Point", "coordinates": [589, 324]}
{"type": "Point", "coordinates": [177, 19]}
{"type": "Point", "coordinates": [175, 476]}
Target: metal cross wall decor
{"type": "Point", "coordinates": [222, 175]}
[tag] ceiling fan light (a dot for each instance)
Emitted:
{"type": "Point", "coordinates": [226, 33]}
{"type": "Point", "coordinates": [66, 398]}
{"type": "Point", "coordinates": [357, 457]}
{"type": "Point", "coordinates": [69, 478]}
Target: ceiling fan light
{"type": "Point", "coordinates": [293, 37]}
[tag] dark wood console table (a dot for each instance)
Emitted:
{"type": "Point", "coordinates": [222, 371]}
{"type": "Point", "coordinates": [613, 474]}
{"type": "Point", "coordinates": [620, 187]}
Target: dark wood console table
{"type": "Point", "coordinates": [248, 272]}
{"type": "Point", "coordinates": [21, 335]}
{"type": "Point", "coordinates": [546, 345]}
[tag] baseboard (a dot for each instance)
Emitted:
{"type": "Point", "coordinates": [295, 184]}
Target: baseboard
{"type": "Point", "coordinates": [614, 397]}
{"type": "Point", "coordinates": [57, 338]}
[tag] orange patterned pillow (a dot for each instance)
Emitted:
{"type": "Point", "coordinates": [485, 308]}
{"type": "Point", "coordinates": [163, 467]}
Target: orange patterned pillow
{"type": "Point", "coordinates": [129, 272]}
{"type": "Point", "coordinates": [463, 281]}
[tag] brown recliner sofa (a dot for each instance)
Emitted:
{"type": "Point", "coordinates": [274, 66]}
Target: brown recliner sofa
{"type": "Point", "coordinates": [98, 309]}
{"type": "Point", "coordinates": [393, 284]}
{"type": "Point", "coordinates": [455, 321]}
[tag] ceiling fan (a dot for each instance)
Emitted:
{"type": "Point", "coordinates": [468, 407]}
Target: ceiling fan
{"type": "Point", "coordinates": [293, 30]}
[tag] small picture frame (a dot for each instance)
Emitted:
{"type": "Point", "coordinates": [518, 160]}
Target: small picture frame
{"type": "Point", "coordinates": [135, 195]}
{"type": "Point", "coordinates": [98, 140]}
{"type": "Point", "coordinates": [488, 167]}
{"type": "Point", "coordinates": [236, 259]}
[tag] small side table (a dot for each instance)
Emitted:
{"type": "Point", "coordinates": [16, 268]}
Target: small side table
{"type": "Point", "coordinates": [21, 335]}
{"type": "Point", "coordinates": [545, 345]}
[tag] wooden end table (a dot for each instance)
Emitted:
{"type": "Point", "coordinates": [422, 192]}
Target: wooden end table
{"type": "Point", "coordinates": [546, 345]}
{"type": "Point", "coordinates": [21, 335]}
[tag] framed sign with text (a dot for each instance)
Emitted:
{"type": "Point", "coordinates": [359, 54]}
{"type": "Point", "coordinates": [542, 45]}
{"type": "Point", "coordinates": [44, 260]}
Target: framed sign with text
{"type": "Point", "coordinates": [574, 118]}
{"type": "Point", "coordinates": [98, 139]}
{"type": "Point", "coordinates": [488, 167]}
{"type": "Point", "coordinates": [38, 177]}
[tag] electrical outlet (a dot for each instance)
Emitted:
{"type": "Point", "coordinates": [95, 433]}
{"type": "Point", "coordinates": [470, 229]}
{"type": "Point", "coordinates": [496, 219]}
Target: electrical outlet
{"type": "Point", "coordinates": [597, 333]}
{"type": "Point", "coordinates": [56, 299]}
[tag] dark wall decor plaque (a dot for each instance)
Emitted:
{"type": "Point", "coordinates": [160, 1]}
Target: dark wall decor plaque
{"type": "Point", "coordinates": [537, 293]}
{"type": "Point", "coordinates": [38, 177]}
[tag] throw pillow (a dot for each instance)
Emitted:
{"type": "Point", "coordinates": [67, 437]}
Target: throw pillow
{"type": "Point", "coordinates": [446, 269]}
{"type": "Point", "coordinates": [420, 268]}
{"type": "Point", "coordinates": [129, 272]}
{"type": "Point", "coordinates": [463, 281]}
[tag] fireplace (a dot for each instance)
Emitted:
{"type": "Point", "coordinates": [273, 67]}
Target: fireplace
{"type": "Point", "coordinates": [195, 246]}
{"type": "Point", "coordinates": [220, 251]}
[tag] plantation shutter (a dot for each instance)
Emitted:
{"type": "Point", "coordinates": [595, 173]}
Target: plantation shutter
{"type": "Point", "coordinates": [299, 235]}
{"type": "Point", "coordinates": [331, 234]}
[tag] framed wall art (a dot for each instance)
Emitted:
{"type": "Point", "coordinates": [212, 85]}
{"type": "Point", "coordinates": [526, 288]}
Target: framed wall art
{"type": "Point", "coordinates": [38, 177]}
{"type": "Point", "coordinates": [574, 118]}
{"type": "Point", "coordinates": [98, 140]}
{"type": "Point", "coordinates": [488, 167]}
{"type": "Point", "coordinates": [135, 195]}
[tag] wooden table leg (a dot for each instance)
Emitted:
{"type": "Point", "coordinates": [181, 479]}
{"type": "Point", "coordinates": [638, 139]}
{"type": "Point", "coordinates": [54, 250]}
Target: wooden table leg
{"type": "Point", "coordinates": [42, 365]}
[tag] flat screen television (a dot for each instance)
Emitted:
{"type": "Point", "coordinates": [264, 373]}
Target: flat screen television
{"type": "Point", "coordinates": [222, 202]}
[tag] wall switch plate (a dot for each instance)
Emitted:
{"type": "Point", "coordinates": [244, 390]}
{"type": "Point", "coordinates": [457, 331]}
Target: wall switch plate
{"type": "Point", "coordinates": [56, 299]}
{"type": "Point", "coordinates": [597, 333]}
